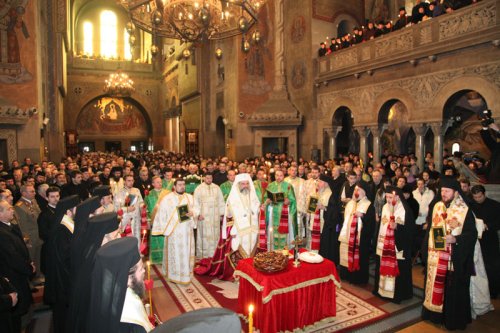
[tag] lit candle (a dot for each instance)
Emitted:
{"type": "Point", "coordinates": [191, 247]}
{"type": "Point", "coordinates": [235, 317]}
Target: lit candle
{"type": "Point", "coordinates": [149, 291]}
{"type": "Point", "coordinates": [250, 318]}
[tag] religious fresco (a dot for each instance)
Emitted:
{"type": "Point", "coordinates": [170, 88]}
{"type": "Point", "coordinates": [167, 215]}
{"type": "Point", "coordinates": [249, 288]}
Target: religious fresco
{"type": "Point", "coordinates": [395, 136]}
{"type": "Point", "coordinates": [13, 32]}
{"type": "Point", "coordinates": [111, 116]}
{"type": "Point", "coordinates": [258, 58]}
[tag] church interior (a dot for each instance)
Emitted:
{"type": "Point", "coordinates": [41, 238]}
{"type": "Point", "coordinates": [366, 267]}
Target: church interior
{"type": "Point", "coordinates": [85, 76]}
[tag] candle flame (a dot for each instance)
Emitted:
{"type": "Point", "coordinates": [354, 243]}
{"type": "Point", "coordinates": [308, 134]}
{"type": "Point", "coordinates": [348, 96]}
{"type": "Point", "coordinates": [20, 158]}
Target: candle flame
{"type": "Point", "coordinates": [148, 263]}
{"type": "Point", "coordinates": [250, 308]}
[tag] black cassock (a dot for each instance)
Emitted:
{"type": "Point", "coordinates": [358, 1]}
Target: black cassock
{"type": "Point", "coordinates": [456, 308]}
{"type": "Point", "coordinates": [361, 276]}
{"type": "Point", "coordinates": [57, 282]}
{"type": "Point", "coordinates": [403, 235]}
{"type": "Point", "coordinates": [329, 243]}
{"type": "Point", "coordinates": [47, 223]}
{"type": "Point", "coordinates": [488, 211]}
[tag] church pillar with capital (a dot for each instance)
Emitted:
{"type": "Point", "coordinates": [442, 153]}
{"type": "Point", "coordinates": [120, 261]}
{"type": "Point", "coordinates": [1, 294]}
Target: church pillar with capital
{"type": "Point", "coordinates": [332, 140]}
{"type": "Point", "coordinates": [437, 129]}
{"type": "Point", "coordinates": [420, 131]}
{"type": "Point", "coordinates": [363, 146]}
{"type": "Point", "coordinates": [375, 130]}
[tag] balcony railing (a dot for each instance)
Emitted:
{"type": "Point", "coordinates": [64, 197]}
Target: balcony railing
{"type": "Point", "coordinates": [471, 25]}
{"type": "Point", "coordinates": [87, 63]}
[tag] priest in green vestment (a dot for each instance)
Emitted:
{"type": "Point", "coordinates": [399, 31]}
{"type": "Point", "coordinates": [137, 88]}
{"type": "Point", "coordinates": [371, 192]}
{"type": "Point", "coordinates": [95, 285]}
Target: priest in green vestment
{"type": "Point", "coordinates": [226, 186]}
{"type": "Point", "coordinates": [260, 185]}
{"type": "Point", "coordinates": [151, 200]}
{"type": "Point", "coordinates": [168, 180]}
{"type": "Point", "coordinates": [281, 211]}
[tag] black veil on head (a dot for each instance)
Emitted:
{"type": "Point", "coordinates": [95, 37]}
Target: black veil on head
{"type": "Point", "coordinates": [109, 283]}
{"type": "Point", "coordinates": [63, 205]}
{"type": "Point", "coordinates": [82, 263]}
{"type": "Point", "coordinates": [83, 212]}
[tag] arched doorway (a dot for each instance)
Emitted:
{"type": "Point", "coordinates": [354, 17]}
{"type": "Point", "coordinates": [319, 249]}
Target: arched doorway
{"type": "Point", "coordinates": [113, 124]}
{"type": "Point", "coordinates": [394, 139]}
{"type": "Point", "coordinates": [343, 117]}
{"type": "Point", "coordinates": [344, 27]}
{"type": "Point", "coordinates": [220, 137]}
{"type": "Point", "coordinates": [461, 111]}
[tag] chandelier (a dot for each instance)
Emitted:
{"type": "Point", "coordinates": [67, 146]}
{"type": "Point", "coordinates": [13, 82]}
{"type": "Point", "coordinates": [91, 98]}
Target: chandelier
{"type": "Point", "coordinates": [193, 20]}
{"type": "Point", "coordinates": [119, 84]}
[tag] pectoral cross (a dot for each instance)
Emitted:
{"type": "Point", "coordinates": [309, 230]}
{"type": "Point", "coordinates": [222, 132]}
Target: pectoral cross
{"type": "Point", "coordinates": [298, 241]}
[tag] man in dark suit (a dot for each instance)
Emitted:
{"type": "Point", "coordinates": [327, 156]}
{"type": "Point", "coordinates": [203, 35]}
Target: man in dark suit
{"type": "Point", "coordinates": [15, 262]}
{"type": "Point", "coordinates": [8, 300]}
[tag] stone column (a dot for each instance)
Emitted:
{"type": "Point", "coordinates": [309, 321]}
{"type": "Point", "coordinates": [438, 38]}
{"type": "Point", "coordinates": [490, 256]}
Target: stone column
{"type": "Point", "coordinates": [420, 131]}
{"type": "Point", "coordinates": [363, 147]}
{"type": "Point", "coordinates": [437, 129]}
{"type": "Point", "coordinates": [375, 130]}
{"type": "Point", "coordinates": [332, 140]}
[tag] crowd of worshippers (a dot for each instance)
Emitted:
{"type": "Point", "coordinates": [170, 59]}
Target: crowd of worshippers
{"type": "Point", "coordinates": [61, 227]}
{"type": "Point", "coordinates": [422, 11]}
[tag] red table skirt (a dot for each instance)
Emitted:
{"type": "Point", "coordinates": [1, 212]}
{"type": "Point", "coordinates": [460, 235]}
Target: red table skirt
{"type": "Point", "coordinates": [306, 303]}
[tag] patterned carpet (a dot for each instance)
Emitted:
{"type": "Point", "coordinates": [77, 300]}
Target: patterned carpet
{"type": "Point", "coordinates": [352, 311]}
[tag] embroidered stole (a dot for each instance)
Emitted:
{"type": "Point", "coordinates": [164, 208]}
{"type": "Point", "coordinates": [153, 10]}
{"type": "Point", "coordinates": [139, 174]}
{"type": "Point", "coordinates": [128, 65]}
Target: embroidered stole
{"type": "Point", "coordinates": [439, 261]}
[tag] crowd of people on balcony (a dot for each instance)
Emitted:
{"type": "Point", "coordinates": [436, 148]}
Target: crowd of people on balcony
{"type": "Point", "coordinates": [422, 11]}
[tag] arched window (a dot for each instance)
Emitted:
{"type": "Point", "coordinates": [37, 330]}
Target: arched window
{"type": "Point", "coordinates": [88, 38]}
{"type": "Point", "coordinates": [455, 147]}
{"type": "Point", "coordinates": [109, 38]}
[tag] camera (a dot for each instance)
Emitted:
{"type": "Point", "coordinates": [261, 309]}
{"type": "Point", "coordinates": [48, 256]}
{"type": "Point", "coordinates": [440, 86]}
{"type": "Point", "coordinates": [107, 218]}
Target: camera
{"type": "Point", "coordinates": [485, 117]}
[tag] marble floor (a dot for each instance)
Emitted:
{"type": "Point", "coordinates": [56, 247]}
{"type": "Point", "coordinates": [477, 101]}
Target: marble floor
{"type": "Point", "coordinates": [166, 308]}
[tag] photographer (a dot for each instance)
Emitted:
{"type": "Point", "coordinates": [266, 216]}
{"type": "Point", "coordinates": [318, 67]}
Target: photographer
{"type": "Point", "coordinates": [490, 134]}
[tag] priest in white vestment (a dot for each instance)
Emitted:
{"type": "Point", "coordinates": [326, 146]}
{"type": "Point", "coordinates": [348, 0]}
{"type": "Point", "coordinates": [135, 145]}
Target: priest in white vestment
{"type": "Point", "coordinates": [208, 208]}
{"type": "Point", "coordinates": [242, 207]}
{"type": "Point", "coordinates": [174, 220]}
{"type": "Point", "coordinates": [129, 201]}
{"type": "Point", "coordinates": [318, 189]}
{"type": "Point", "coordinates": [299, 188]}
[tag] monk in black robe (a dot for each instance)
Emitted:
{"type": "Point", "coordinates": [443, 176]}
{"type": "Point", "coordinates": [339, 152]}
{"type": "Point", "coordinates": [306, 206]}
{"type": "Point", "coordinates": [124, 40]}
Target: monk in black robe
{"type": "Point", "coordinates": [355, 236]}
{"type": "Point", "coordinates": [393, 275]}
{"type": "Point", "coordinates": [487, 209]}
{"type": "Point", "coordinates": [450, 240]}
{"type": "Point", "coordinates": [117, 286]}
{"type": "Point", "coordinates": [47, 223]}
{"type": "Point", "coordinates": [57, 278]}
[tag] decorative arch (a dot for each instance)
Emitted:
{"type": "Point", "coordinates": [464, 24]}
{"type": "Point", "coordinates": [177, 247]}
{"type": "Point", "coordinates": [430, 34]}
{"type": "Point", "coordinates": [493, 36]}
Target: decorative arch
{"type": "Point", "coordinates": [393, 94]}
{"type": "Point", "coordinates": [487, 89]}
{"type": "Point", "coordinates": [460, 113]}
{"type": "Point", "coordinates": [345, 19]}
{"type": "Point", "coordinates": [329, 107]}
{"type": "Point", "coordinates": [393, 116]}
{"type": "Point", "coordinates": [112, 117]}
{"type": "Point", "coordinates": [343, 117]}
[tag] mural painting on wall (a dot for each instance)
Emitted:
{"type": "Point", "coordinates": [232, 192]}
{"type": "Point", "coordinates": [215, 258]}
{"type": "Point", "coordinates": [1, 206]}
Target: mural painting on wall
{"type": "Point", "coordinates": [299, 73]}
{"type": "Point", "coordinates": [378, 10]}
{"type": "Point", "coordinates": [393, 139]}
{"type": "Point", "coordinates": [257, 55]}
{"type": "Point", "coordinates": [12, 28]}
{"type": "Point", "coordinates": [109, 116]}
{"type": "Point", "coordinates": [467, 135]}
{"type": "Point", "coordinates": [298, 29]}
